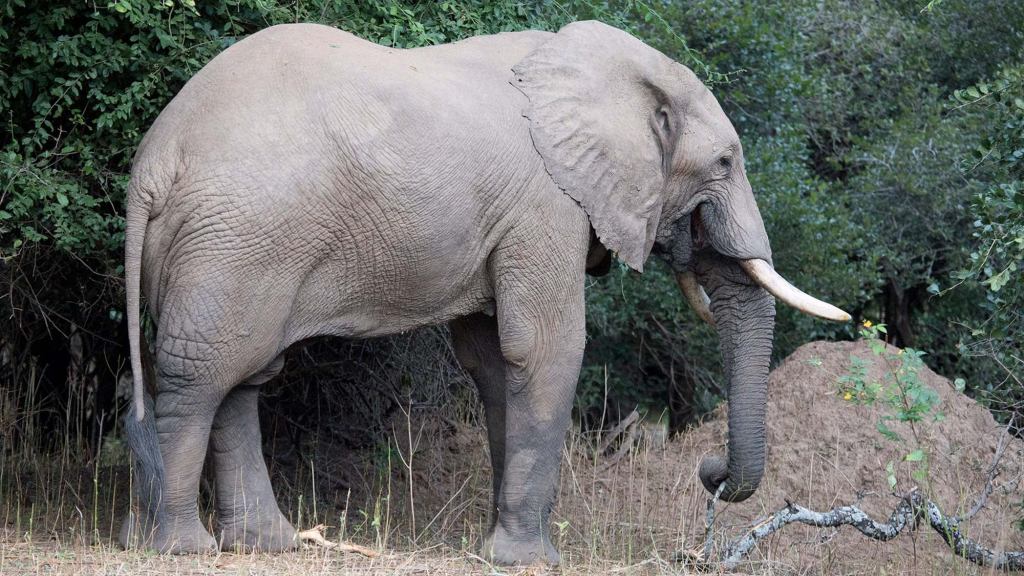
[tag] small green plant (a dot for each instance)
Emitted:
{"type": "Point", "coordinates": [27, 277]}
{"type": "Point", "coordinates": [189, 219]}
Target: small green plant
{"type": "Point", "coordinates": [900, 392]}
{"type": "Point", "coordinates": [563, 527]}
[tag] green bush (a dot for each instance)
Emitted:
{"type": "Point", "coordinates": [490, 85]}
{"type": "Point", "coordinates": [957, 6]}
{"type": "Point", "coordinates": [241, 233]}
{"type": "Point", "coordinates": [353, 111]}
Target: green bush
{"type": "Point", "coordinates": [851, 147]}
{"type": "Point", "coordinates": [995, 265]}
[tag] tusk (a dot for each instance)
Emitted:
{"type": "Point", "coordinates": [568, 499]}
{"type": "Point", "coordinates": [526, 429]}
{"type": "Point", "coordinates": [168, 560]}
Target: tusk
{"type": "Point", "coordinates": [763, 273]}
{"type": "Point", "coordinates": [695, 295]}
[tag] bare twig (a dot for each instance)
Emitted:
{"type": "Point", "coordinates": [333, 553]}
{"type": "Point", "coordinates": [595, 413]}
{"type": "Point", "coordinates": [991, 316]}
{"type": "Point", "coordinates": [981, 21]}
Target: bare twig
{"type": "Point", "coordinates": [315, 535]}
{"type": "Point", "coordinates": [709, 521]}
{"type": "Point", "coordinates": [993, 471]}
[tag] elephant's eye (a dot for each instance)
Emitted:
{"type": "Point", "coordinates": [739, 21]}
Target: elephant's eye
{"type": "Point", "coordinates": [725, 163]}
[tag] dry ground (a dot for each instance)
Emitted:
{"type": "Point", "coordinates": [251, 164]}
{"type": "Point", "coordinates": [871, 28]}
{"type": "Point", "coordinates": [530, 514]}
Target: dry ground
{"type": "Point", "coordinates": [628, 516]}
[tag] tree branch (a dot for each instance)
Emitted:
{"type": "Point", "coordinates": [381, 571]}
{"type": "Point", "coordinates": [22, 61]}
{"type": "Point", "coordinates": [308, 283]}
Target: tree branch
{"type": "Point", "coordinates": [912, 509]}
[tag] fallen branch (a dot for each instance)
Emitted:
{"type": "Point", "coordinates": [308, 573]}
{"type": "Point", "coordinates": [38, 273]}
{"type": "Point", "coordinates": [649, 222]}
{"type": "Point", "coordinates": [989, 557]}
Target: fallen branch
{"type": "Point", "coordinates": [315, 535]}
{"type": "Point", "coordinates": [621, 427]}
{"type": "Point", "coordinates": [631, 423]}
{"type": "Point", "coordinates": [912, 508]}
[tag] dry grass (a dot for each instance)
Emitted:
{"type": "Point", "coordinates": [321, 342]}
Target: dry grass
{"type": "Point", "coordinates": [44, 558]}
{"type": "Point", "coordinates": [61, 517]}
{"type": "Point", "coordinates": [421, 496]}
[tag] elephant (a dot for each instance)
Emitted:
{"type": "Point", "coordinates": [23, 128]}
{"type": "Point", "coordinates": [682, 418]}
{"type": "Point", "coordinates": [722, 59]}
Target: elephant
{"type": "Point", "coordinates": [306, 182]}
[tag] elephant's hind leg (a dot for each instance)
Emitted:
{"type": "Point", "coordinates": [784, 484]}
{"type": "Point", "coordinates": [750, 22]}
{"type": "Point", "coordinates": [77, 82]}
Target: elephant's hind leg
{"type": "Point", "coordinates": [167, 517]}
{"type": "Point", "coordinates": [248, 517]}
{"type": "Point", "coordinates": [206, 344]}
{"type": "Point", "coordinates": [168, 520]}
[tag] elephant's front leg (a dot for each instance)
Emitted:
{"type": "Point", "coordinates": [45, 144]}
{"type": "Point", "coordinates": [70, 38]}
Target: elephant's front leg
{"type": "Point", "coordinates": [541, 326]}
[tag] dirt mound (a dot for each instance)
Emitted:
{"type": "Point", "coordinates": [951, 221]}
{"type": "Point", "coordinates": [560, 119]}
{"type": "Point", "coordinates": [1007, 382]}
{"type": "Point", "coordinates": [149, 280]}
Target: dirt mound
{"type": "Point", "coordinates": [825, 451]}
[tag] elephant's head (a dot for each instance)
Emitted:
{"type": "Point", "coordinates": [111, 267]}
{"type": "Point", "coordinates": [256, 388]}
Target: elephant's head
{"type": "Point", "coordinates": [646, 149]}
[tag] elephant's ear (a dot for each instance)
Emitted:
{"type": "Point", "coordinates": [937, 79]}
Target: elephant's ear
{"type": "Point", "coordinates": [600, 117]}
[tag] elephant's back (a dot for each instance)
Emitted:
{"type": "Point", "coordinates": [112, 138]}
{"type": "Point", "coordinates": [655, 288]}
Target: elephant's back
{"type": "Point", "coordinates": [292, 112]}
{"type": "Point", "coordinates": [308, 74]}
{"type": "Point", "coordinates": [298, 97]}
{"type": "Point", "coordinates": [266, 82]}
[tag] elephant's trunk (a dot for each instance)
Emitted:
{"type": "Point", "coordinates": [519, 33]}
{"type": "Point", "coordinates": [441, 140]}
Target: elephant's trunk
{"type": "Point", "coordinates": [745, 319]}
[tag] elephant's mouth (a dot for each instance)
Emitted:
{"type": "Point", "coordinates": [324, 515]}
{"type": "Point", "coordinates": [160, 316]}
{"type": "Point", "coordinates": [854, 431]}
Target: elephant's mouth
{"type": "Point", "coordinates": [689, 236]}
{"type": "Point", "coordinates": [698, 233]}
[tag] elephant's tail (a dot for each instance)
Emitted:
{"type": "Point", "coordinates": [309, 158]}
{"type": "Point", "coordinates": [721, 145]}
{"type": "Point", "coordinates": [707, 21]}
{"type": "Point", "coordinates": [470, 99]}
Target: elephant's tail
{"type": "Point", "coordinates": [140, 422]}
{"type": "Point", "coordinates": [141, 436]}
{"type": "Point", "coordinates": [136, 219]}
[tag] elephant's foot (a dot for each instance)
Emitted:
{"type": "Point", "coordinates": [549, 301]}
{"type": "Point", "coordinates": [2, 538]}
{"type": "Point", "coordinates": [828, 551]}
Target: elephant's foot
{"type": "Point", "coordinates": [503, 548]}
{"type": "Point", "coordinates": [171, 537]}
{"type": "Point", "coordinates": [272, 533]}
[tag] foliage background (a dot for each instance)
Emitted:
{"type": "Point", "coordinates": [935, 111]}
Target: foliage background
{"type": "Point", "coordinates": [884, 141]}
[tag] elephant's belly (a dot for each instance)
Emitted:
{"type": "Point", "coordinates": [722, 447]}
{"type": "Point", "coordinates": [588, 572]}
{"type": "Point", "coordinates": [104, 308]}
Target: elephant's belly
{"type": "Point", "coordinates": [336, 302]}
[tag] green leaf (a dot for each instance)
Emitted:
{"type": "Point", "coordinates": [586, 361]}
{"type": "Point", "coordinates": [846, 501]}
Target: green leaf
{"type": "Point", "coordinates": [166, 40]}
{"type": "Point", "coordinates": [920, 475]}
{"type": "Point", "coordinates": [997, 282]}
{"type": "Point", "coordinates": [877, 346]}
{"type": "Point", "coordinates": [960, 384]}
{"type": "Point", "coordinates": [890, 474]}
{"type": "Point", "coordinates": [62, 199]}
{"type": "Point", "coordinates": [915, 456]}
{"type": "Point", "coordinates": [884, 430]}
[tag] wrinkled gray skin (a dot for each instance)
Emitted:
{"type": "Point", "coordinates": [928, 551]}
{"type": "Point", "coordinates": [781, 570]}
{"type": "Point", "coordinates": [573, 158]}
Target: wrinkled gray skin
{"type": "Point", "coordinates": [307, 182]}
